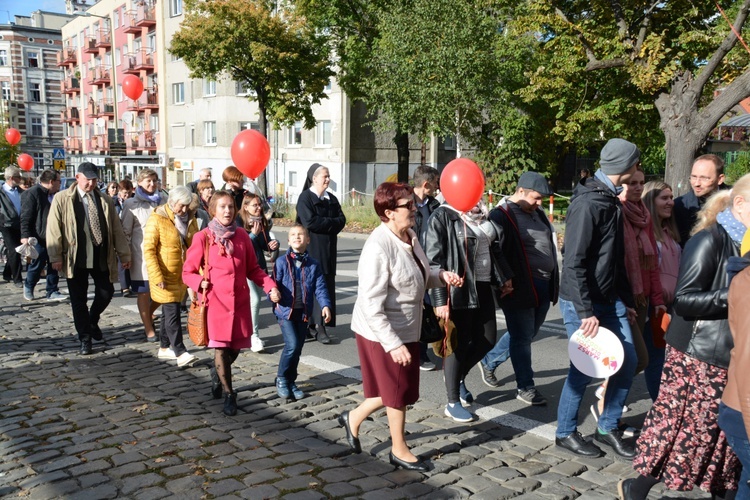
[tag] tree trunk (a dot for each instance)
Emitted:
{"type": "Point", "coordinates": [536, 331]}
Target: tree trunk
{"type": "Point", "coordinates": [402, 147]}
{"type": "Point", "coordinates": [262, 180]}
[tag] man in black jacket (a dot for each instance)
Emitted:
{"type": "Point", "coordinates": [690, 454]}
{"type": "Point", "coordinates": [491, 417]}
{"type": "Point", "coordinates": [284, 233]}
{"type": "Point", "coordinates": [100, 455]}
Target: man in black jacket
{"type": "Point", "coordinates": [35, 203]}
{"type": "Point", "coordinates": [10, 224]}
{"type": "Point", "coordinates": [594, 291]}
{"type": "Point", "coordinates": [528, 244]}
{"type": "Point", "coordinates": [706, 178]}
{"type": "Point", "coordinates": [205, 174]}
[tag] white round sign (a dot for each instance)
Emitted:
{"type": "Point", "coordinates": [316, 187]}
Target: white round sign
{"type": "Point", "coordinates": [599, 357]}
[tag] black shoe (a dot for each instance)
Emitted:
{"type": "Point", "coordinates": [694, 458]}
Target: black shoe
{"type": "Point", "coordinates": [418, 466]}
{"type": "Point", "coordinates": [488, 376]}
{"type": "Point", "coordinates": [353, 441]}
{"type": "Point", "coordinates": [216, 389]}
{"type": "Point", "coordinates": [614, 440]}
{"type": "Point", "coordinates": [96, 332]}
{"type": "Point", "coordinates": [323, 337]}
{"type": "Point", "coordinates": [576, 444]}
{"type": "Point", "coordinates": [86, 347]}
{"type": "Point", "coordinates": [312, 332]}
{"type": "Point", "coordinates": [624, 488]}
{"type": "Point", "coordinates": [230, 404]}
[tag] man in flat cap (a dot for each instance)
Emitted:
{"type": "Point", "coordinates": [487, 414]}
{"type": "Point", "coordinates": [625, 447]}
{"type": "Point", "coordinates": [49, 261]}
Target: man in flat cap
{"type": "Point", "coordinates": [595, 291]}
{"type": "Point", "coordinates": [528, 244]}
{"type": "Point", "coordinates": [84, 238]}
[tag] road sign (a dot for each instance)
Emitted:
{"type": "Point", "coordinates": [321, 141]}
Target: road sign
{"type": "Point", "coordinates": [59, 164]}
{"type": "Point", "coordinates": [58, 154]}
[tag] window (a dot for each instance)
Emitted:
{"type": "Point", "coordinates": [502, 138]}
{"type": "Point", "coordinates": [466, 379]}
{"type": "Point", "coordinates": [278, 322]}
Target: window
{"type": "Point", "coordinates": [249, 126]}
{"type": "Point", "coordinates": [5, 86]}
{"type": "Point", "coordinates": [119, 93]}
{"type": "Point", "coordinates": [294, 135]}
{"type": "Point", "coordinates": [118, 57]}
{"type": "Point", "coordinates": [209, 87]}
{"type": "Point", "coordinates": [173, 57]}
{"type": "Point", "coordinates": [153, 123]}
{"type": "Point", "coordinates": [3, 57]}
{"type": "Point", "coordinates": [151, 43]}
{"type": "Point", "coordinates": [177, 137]}
{"type": "Point", "coordinates": [175, 7]}
{"type": "Point", "coordinates": [36, 126]}
{"type": "Point", "coordinates": [449, 143]}
{"type": "Point", "coordinates": [33, 59]}
{"type": "Point", "coordinates": [292, 179]}
{"type": "Point", "coordinates": [38, 160]}
{"type": "Point", "coordinates": [243, 88]}
{"type": "Point", "coordinates": [209, 129]}
{"type": "Point", "coordinates": [329, 86]}
{"type": "Point", "coordinates": [178, 93]}
{"type": "Point", "coordinates": [323, 133]}
{"type": "Point", "coordinates": [117, 18]}
{"type": "Point", "coordinates": [35, 92]}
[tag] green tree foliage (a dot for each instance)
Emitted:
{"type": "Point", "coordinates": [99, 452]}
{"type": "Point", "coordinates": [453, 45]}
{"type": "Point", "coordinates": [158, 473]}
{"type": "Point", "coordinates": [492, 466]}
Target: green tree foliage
{"type": "Point", "coordinates": [8, 153]}
{"type": "Point", "coordinates": [278, 55]}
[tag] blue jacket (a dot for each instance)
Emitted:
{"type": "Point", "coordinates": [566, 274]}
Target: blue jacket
{"type": "Point", "coordinates": [313, 283]}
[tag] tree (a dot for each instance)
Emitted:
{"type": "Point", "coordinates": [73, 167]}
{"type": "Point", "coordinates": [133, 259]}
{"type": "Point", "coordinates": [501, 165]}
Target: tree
{"type": "Point", "coordinates": [8, 153]}
{"type": "Point", "coordinates": [278, 55]}
{"type": "Point", "coordinates": [619, 67]}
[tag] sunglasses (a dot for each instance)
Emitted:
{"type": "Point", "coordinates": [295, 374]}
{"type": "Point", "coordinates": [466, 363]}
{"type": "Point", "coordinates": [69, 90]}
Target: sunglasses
{"type": "Point", "coordinates": [409, 205]}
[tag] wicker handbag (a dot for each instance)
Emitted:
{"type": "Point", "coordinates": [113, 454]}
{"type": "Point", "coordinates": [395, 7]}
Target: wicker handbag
{"type": "Point", "coordinates": [196, 322]}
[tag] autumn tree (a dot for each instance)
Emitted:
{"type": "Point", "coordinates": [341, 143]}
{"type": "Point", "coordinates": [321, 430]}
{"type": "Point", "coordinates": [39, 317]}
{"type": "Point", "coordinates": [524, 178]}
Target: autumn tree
{"type": "Point", "coordinates": [615, 68]}
{"type": "Point", "coordinates": [278, 55]}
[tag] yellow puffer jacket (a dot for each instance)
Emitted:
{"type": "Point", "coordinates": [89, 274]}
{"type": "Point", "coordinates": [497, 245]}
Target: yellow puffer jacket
{"type": "Point", "coordinates": [164, 253]}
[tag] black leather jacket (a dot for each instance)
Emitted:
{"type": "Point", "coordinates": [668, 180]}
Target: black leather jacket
{"type": "Point", "coordinates": [699, 326]}
{"type": "Point", "coordinates": [446, 244]}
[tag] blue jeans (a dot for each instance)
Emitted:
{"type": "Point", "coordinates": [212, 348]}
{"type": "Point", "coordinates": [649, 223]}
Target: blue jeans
{"type": "Point", "coordinates": [35, 270]}
{"type": "Point", "coordinates": [652, 372]}
{"type": "Point", "coordinates": [523, 326]}
{"type": "Point", "coordinates": [294, 332]}
{"type": "Point", "coordinates": [733, 426]}
{"type": "Point", "coordinates": [613, 317]}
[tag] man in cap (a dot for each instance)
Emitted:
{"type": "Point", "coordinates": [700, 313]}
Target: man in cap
{"type": "Point", "coordinates": [706, 178]}
{"type": "Point", "coordinates": [528, 244]}
{"type": "Point", "coordinates": [595, 291]}
{"type": "Point", "coordinates": [10, 224]}
{"type": "Point", "coordinates": [85, 238]}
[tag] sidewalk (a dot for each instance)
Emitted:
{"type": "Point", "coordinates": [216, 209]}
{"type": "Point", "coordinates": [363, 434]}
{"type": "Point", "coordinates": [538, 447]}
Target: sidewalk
{"type": "Point", "coordinates": [122, 424]}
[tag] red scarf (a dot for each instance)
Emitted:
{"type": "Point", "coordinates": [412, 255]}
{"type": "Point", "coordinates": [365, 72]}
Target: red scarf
{"type": "Point", "coordinates": [640, 244]}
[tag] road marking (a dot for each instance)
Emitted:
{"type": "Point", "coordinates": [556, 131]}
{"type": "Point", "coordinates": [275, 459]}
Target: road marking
{"type": "Point", "coordinates": [491, 413]}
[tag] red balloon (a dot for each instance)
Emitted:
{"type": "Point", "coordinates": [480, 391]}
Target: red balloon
{"type": "Point", "coordinates": [462, 184]}
{"type": "Point", "coordinates": [26, 162]}
{"type": "Point", "coordinates": [250, 153]}
{"type": "Point", "coordinates": [132, 86]}
{"type": "Point", "coordinates": [13, 136]}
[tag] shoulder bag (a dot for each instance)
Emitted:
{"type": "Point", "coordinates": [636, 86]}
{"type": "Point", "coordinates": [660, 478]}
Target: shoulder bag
{"type": "Point", "coordinates": [196, 322]}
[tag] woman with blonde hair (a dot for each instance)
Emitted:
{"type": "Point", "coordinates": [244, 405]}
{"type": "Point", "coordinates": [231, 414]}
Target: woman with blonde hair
{"type": "Point", "coordinates": [681, 443]}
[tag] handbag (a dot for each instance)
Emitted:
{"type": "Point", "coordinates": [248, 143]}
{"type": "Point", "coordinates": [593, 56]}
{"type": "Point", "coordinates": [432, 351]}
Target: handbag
{"type": "Point", "coordinates": [431, 329]}
{"type": "Point", "coordinates": [197, 324]}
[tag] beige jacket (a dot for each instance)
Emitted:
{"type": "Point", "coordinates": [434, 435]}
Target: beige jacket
{"type": "Point", "coordinates": [388, 309]}
{"type": "Point", "coordinates": [135, 214]}
{"type": "Point", "coordinates": [62, 239]}
{"type": "Point", "coordinates": [737, 391]}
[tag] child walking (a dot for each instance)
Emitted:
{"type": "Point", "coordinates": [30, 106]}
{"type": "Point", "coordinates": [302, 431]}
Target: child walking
{"type": "Point", "coordinates": [300, 281]}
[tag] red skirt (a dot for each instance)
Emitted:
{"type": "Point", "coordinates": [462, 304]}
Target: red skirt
{"type": "Point", "coordinates": [382, 377]}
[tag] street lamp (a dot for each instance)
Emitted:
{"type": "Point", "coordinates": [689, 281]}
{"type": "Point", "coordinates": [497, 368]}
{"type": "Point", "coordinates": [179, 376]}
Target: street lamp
{"type": "Point", "coordinates": [113, 70]}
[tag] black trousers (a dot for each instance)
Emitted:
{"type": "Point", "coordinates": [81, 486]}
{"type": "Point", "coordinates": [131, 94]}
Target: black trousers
{"type": "Point", "coordinates": [78, 286]}
{"type": "Point", "coordinates": [317, 315]}
{"type": "Point", "coordinates": [12, 238]}
{"type": "Point", "coordinates": [170, 331]}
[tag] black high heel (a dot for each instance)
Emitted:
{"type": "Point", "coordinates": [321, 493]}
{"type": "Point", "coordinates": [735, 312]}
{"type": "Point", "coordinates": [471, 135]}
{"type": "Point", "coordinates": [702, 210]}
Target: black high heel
{"type": "Point", "coordinates": [353, 441]}
{"type": "Point", "coordinates": [230, 404]}
{"type": "Point", "coordinates": [418, 466]}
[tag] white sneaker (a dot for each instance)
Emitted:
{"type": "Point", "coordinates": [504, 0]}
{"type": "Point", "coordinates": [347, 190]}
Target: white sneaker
{"type": "Point", "coordinates": [256, 344]}
{"type": "Point", "coordinates": [185, 359]}
{"type": "Point", "coordinates": [167, 353]}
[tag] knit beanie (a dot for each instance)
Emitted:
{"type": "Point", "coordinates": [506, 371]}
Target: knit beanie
{"type": "Point", "coordinates": [617, 156]}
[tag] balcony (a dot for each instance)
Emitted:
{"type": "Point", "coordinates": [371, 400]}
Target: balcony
{"type": "Point", "coordinates": [98, 143]}
{"type": "Point", "coordinates": [142, 141]}
{"type": "Point", "coordinates": [70, 85]}
{"type": "Point", "coordinates": [148, 100]}
{"type": "Point", "coordinates": [106, 108]}
{"type": "Point", "coordinates": [103, 39]}
{"type": "Point", "coordinates": [72, 144]}
{"type": "Point", "coordinates": [66, 56]}
{"type": "Point", "coordinates": [135, 62]}
{"type": "Point", "coordinates": [92, 110]}
{"type": "Point", "coordinates": [144, 16]}
{"type": "Point", "coordinates": [70, 115]}
{"type": "Point", "coordinates": [89, 45]}
{"type": "Point", "coordinates": [99, 75]}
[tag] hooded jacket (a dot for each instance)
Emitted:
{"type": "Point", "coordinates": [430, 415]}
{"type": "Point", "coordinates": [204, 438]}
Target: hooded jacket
{"type": "Point", "coordinates": [594, 251]}
{"type": "Point", "coordinates": [313, 286]}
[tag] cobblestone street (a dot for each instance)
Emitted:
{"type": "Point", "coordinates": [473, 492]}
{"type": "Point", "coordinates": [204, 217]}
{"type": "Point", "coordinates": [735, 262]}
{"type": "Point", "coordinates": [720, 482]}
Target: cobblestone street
{"type": "Point", "coordinates": [123, 424]}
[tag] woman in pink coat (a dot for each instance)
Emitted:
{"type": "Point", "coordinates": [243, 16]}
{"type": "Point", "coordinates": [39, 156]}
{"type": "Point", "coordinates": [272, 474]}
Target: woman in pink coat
{"type": "Point", "coordinates": [231, 262]}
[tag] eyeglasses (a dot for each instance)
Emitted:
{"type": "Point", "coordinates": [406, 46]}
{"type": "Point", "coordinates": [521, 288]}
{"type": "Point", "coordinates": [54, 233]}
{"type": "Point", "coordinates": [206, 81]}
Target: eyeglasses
{"type": "Point", "coordinates": [409, 205]}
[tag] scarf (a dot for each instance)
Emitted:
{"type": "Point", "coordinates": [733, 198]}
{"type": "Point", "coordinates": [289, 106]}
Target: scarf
{"type": "Point", "coordinates": [732, 226]}
{"type": "Point", "coordinates": [640, 245]}
{"type": "Point", "coordinates": [151, 199]}
{"type": "Point", "coordinates": [180, 223]}
{"type": "Point", "coordinates": [223, 235]}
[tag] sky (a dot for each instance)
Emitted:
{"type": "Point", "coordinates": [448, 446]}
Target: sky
{"type": "Point", "coordinates": [9, 8]}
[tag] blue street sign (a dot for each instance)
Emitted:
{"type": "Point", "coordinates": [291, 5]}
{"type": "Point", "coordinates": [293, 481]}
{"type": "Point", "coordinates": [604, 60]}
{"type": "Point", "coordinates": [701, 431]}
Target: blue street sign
{"type": "Point", "coordinates": [58, 154]}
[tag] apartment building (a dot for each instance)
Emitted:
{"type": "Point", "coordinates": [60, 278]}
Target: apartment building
{"type": "Point", "coordinates": [30, 98]}
{"type": "Point", "coordinates": [101, 46]}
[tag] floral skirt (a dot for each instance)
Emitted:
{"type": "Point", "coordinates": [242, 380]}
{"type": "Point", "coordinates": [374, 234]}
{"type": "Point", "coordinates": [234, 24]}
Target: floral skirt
{"type": "Point", "coordinates": [681, 442]}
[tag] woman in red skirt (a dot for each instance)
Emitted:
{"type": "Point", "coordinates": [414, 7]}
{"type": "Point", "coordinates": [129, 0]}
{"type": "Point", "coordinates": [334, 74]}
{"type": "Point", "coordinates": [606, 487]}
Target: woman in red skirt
{"type": "Point", "coordinates": [393, 274]}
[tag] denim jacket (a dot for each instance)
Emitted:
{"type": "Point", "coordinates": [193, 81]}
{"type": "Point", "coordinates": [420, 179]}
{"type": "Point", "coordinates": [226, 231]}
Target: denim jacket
{"type": "Point", "coordinates": [313, 284]}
